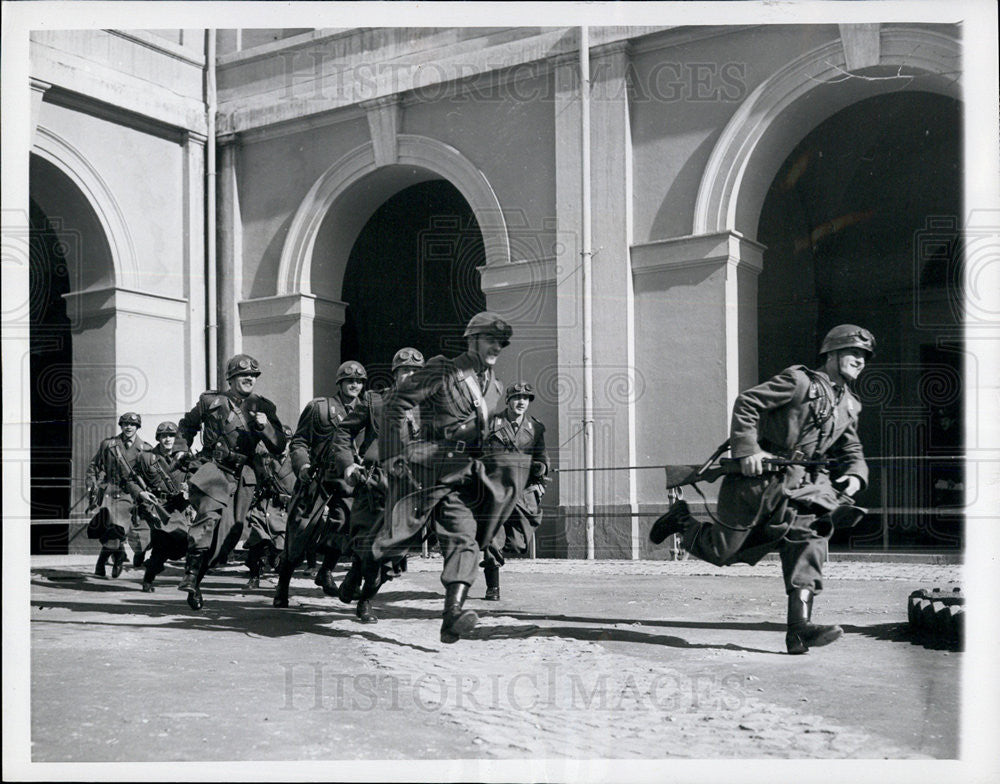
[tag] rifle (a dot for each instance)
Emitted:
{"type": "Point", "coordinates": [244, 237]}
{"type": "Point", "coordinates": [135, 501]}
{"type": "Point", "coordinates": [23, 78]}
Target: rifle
{"type": "Point", "coordinates": [680, 475]}
{"type": "Point", "coordinates": [154, 513]}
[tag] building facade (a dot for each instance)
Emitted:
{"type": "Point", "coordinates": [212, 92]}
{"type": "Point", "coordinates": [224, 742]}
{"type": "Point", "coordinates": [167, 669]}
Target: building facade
{"type": "Point", "coordinates": [314, 195]}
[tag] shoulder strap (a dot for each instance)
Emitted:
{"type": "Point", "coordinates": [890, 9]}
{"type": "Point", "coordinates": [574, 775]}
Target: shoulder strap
{"type": "Point", "coordinates": [482, 414]}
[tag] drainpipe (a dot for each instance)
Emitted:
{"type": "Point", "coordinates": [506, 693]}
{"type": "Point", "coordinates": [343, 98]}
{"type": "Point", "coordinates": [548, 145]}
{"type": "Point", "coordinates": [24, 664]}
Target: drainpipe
{"type": "Point", "coordinates": [211, 263]}
{"type": "Point", "coordinates": [587, 254]}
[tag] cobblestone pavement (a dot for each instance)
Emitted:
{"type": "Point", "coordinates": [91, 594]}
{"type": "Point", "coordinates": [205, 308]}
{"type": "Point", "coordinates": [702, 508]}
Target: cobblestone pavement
{"type": "Point", "coordinates": [608, 659]}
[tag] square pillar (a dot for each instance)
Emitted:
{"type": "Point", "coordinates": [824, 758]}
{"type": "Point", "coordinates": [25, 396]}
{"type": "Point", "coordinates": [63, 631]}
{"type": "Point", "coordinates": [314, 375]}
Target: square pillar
{"type": "Point", "coordinates": [296, 339]}
{"type": "Point", "coordinates": [696, 298]}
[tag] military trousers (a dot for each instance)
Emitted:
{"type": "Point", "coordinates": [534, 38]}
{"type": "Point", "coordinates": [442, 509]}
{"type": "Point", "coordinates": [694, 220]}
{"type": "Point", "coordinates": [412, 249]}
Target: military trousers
{"type": "Point", "coordinates": [802, 547]}
{"type": "Point", "coordinates": [221, 500]}
{"type": "Point", "coordinates": [455, 527]}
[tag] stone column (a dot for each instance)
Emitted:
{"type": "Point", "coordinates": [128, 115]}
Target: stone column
{"type": "Point", "coordinates": [196, 376]}
{"type": "Point", "coordinates": [616, 382]}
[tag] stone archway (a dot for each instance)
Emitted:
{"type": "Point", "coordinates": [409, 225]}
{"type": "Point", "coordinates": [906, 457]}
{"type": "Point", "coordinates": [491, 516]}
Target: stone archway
{"type": "Point", "coordinates": [301, 324]}
{"type": "Point", "coordinates": [774, 118]}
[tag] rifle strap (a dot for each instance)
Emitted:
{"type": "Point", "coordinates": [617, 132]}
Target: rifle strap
{"type": "Point", "coordinates": [123, 463]}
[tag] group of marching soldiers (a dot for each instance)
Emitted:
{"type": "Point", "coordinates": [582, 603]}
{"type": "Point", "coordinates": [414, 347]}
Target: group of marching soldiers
{"type": "Point", "coordinates": [447, 454]}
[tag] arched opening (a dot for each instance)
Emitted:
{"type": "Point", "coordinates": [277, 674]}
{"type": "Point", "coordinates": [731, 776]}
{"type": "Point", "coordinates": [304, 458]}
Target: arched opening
{"type": "Point", "coordinates": [412, 277]}
{"type": "Point", "coordinates": [50, 363]}
{"type": "Point", "coordinates": [861, 225]}
{"type": "Point", "coordinates": [72, 350]}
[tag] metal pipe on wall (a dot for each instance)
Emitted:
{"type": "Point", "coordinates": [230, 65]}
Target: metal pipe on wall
{"type": "Point", "coordinates": [588, 316]}
{"type": "Point", "coordinates": [211, 266]}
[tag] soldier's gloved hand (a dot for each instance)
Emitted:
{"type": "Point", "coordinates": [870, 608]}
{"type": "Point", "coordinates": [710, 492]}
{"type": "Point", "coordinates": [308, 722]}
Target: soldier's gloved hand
{"type": "Point", "coordinates": [351, 475]}
{"type": "Point", "coordinates": [848, 484]}
{"type": "Point", "coordinates": [304, 473]}
{"type": "Point", "coordinates": [537, 470]}
{"type": "Point", "coordinates": [260, 420]}
{"type": "Point", "coordinates": [147, 497]}
{"type": "Point", "coordinates": [753, 465]}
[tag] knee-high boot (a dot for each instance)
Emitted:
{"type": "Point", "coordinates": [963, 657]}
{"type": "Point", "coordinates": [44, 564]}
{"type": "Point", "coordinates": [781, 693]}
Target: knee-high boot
{"type": "Point", "coordinates": [802, 632]}
{"type": "Point", "coordinates": [457, 622]}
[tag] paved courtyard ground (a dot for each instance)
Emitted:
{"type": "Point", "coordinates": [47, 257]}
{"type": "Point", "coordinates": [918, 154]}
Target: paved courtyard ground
{"type": "Point", "coordinates": [609, 659]}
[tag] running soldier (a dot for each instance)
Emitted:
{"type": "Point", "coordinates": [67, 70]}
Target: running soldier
{"type": "Point", "coordinates": [113, 490]}
{"type": "Point", "coordinates": [444, 478]}
{"type": "Point", "coordinates": [365, 474]}
{"type": "Point", "coordinates": [164, 470]}
{"type": "Point", "coordinates": [516, 431]}
{"type": "Point", "coordinates": [319, 511]}
{"type": "Point", "coordinates": [267, 517]}
{"type": "Point", "coordinates": [232, 424]}
{"type": "Point", "coordinates": [798, 415]}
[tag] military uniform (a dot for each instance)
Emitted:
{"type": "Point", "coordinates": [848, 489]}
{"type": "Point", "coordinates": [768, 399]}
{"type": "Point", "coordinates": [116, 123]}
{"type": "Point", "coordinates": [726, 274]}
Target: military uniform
{"type": "Point", "coordinates": [111, 479]}
{"type": "Point", "coordinates": [526, 438]}
{"type": "Point", "coordinates": [223, 486]}
{"type": "Point", "coordinates": [448, 480]}
{"type": "Point", "coordinates": [267, 517]}
{"type": "Point", "coordinates": [797, 411]}
{"type": "Point", "coordinates": [165, 474]}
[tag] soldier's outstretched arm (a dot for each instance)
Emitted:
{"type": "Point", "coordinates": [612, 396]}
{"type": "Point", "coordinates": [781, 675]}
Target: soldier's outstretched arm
{"type": "Point", "coordinates": [299, 446]}
{"type": "Point", "coordinates": [539, 457]}
{"type": "Point", "coordinates": [190, 424]}
{"type": "Point", "coordinates": [342, 438]}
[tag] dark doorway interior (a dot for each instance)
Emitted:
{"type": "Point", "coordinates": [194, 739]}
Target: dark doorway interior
{"type": "Point", "coordinates": [862, 226]}
{"type": "Point", "coordinates": [412, 278]}
{"type": "Point", "coordinates": [51, 362]}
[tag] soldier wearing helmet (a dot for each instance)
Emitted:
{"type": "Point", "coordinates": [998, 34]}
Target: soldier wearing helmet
{"type": "Point", "coordinates": [444, 478]}
{"type": "Point", "coordinates": [361, 470]}
{"type": "Point", "coordinates": [798, 414]}
{"type": "Point", "coordinates": [164, 471]}
{"type": "Point", "coordinates": [113, 492]}
{"type": "Point", "coordinates": [308, 524]}
{"type": "Point", "coordinates": [233, 425]}
{"type": "Point", "coordinates": [515, 432]}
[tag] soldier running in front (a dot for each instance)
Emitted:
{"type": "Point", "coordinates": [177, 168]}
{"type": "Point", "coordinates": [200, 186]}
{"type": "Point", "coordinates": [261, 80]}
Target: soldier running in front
{"type": "Point", "coordinates": [267, 518]}
{"type": "Point", "coordinates": [443, 478]}
{"type": "Point", "coordinates": [320, 507]}
{"type": "Point", "coordinates": [112, 490]}
{"type": "Point", "coordinates": [164, 470]}
{"type": "Point", "coordinates": [232, 424]}
{"type": "Point", "coordinates": [798, 415]}
{"type": "Point", "coordinates": [365, 474]}
{"type": "Point", "coordinates": [516, 431]}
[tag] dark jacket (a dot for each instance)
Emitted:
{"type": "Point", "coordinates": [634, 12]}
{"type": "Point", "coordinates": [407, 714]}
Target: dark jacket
{"type": "Point", "coordinates": [318, 422]}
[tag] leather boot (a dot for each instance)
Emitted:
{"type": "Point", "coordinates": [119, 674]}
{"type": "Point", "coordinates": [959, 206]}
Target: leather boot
{"type": "Point", "coordinates": [365, 613]}
{"type": "Point", "coordinates": [192, 579]}
{"type": "Point", "coordinates": [255, 556]}
{"type": "Point", "coordinates": [324, 577]}
{"type": "Point", "coordinates": [281, 592]}
{"type": "Point", "coordinates": [802, 633]}
{"type": "Point", "coordinates": [138, 559]}
{"type": "Point", "coordinates": [100, 569]}
{"type": "Point", "coordinates": [152, 569]}
{"type": "Point", "coordinates": [492, 574]}
{"type": "Point", "coordinates": [457, 622]}
{"type": "Point", "coordinates": [117, 562]}
{"type": "Point", "coordinates": [674, 521]}
{"type": "Point", "coordinates": [350, 588]}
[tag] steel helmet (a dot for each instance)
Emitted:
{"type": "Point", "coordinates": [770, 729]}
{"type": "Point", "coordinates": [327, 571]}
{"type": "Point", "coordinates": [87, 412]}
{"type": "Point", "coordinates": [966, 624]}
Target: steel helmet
{"type": "Point", "coordinates": [242, 365]}
{"type": "Point", "coordinates": [520, 388]}
{"type": "Point", "coordinates": [488, 323]}
{"type": "Point", "coordinates": [407, 357]}
{"type": "Point", "coordinates": [166, 429]}
{"type": "Point", "coordinates": [848, 336]}
{"type": "Point", "coordinates": [130, 418]}
{"type": "Point", "coordinates": [351, 371]}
